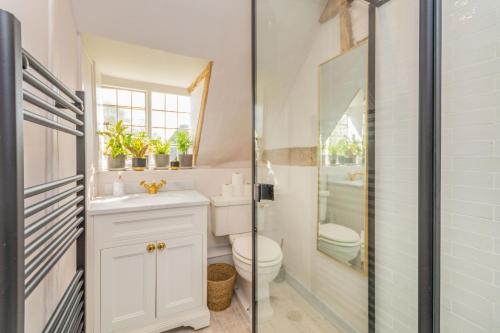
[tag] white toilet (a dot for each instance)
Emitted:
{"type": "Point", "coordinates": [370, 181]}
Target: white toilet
{"type": "Point", "coordinates": [233, 217]}
{"type": "Point", "coordinates": [339, 241]}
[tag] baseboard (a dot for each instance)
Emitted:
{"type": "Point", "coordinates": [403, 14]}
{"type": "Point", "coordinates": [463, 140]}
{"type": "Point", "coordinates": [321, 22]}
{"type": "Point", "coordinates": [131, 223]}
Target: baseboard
{"type": "Point", "coordinates": [319, 305]}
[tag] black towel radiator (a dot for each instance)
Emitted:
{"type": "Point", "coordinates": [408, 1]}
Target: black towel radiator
{"type": "Point", "coordinates": [29, 251]}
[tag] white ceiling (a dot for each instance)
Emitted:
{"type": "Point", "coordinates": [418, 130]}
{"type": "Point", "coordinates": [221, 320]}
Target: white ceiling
{"type": "Point", "coordinates": [218, 30]}
{"type": "Point", "coordinates": [140, 63]}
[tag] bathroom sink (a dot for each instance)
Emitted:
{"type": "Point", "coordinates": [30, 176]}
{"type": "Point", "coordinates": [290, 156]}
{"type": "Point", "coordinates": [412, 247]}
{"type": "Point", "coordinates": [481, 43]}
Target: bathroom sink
{"type": "Point", "coordinates": [144, 201]}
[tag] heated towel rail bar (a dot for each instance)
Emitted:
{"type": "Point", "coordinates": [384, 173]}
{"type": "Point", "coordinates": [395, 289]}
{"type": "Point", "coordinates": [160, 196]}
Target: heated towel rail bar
{"type": "Point", "coordinates": [34, 237]}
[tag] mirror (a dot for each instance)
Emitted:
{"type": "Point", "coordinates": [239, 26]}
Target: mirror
{"type": "Point", "coordinates": [342, 188]}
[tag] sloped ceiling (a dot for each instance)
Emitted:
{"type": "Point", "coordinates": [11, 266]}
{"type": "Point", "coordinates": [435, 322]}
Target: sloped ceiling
{"type": "Point", "coordinates": [138, 63]}
{"type": "Point", "coordinates": [218, 30]}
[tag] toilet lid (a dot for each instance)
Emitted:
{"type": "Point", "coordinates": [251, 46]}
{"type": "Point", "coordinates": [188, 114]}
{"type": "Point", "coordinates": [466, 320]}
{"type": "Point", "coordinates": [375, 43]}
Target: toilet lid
{"type": "Point", "coordinates": [338, 233]}
{"type": "Point", "coordinates": [268, 249]}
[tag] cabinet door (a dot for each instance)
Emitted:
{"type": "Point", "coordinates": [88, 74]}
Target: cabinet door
{"type": "Point", "coordinates": [128, 276]}
{"type": "Point", "coordinates": [179, 280]}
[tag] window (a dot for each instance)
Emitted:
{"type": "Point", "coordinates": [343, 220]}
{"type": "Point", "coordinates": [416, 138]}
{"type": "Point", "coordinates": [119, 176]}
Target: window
{"type": "Point", "coordinates": [169, 113]}
{"type": "Point", "coordinates": [115, 104]}
{"type": "Point", "coordinates": [160, 117]}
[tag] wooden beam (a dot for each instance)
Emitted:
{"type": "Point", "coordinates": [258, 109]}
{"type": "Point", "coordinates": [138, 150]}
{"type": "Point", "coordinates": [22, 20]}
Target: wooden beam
{"type": "Point", "coordinates": [205, 78]}
{"type": "Point", "coordinates": [331, 10]}
{"type": "Point", "coordinates": [346, 35]}
{"type": "Point", "coordinates": [200, 77]}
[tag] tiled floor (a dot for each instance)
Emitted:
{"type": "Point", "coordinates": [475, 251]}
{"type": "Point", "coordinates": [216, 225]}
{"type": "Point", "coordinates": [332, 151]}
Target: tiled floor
{"type": "Point", "coordinates": [231, 320]}
{"type": "Point", "coordinates": [293, 314]}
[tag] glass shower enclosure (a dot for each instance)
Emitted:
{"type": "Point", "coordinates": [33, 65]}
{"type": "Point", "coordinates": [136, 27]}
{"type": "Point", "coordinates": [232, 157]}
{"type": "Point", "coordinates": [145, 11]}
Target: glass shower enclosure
{"type": "Point", "coordinates": [376, 127]}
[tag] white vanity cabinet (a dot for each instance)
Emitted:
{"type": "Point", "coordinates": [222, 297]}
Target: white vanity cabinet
{"type": "Point", "coordinates": [147, 263]}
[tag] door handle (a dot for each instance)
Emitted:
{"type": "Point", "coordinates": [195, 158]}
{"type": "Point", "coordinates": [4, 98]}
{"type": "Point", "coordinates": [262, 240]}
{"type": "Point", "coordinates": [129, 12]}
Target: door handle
{"type": "Point", "coordinates": [150, 247]}
{"type": "Point", "coordinates": [161, 246]}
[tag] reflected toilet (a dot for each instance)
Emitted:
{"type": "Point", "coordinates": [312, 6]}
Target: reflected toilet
{"type": "Point", "coordinates": [339, 241]}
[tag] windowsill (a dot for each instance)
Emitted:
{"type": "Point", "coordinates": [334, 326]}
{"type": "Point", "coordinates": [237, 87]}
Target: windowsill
{"type": "Point", "coordinates": [145, 171]}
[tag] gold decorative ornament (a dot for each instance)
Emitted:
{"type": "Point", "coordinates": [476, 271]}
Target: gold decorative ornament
{"type": "Point", "coordinates": [153, 187]}
{"type": "Point", "coordinates": [150, 247]}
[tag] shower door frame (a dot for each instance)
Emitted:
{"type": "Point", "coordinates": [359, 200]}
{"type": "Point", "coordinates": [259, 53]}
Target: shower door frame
{"type": "Point", "coordinates": [429, 165]}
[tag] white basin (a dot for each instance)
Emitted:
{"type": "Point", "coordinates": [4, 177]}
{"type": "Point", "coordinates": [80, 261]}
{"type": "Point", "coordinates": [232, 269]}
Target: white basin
{"type": "Point", "coordinates": [144, 201]}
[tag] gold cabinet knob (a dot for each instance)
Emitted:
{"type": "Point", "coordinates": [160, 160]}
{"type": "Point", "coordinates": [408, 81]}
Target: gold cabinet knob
{"type": "Point", "coordinates": [150, 247]}
{"type": "Point", "coordinates": [161, 246]}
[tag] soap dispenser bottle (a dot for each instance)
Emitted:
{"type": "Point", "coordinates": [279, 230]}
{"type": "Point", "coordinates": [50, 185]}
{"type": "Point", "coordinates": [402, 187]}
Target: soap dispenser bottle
{"type": "Point", "coordinates": [118, 185]}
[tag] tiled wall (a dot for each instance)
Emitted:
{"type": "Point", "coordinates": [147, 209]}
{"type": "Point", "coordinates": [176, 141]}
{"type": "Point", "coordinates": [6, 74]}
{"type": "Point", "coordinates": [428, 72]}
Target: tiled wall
{"type": "Point", "coordinates": [470, 273]}
{"type": "Point", "coordinates": [396, 163]}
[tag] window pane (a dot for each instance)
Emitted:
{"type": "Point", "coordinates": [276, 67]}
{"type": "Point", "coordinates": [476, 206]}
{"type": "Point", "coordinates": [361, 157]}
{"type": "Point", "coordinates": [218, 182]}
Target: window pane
{"type": "Point", "coordinates": [157, 101]}
{"type": "Point", "coordinates": [158, 133]}
{"type": "Point", "coordinates": [184, 120]}
{"type": "Point", "coordinates": [157, 119]}
{"type": "Point", "coordinates": [137, 130]}
{"type": "Point", "coordinates": [170, 102]}
{"type": "Point", "coordinates": [124, 98]}
{"type": "Point", "coordinates": [138, 117]}
{"type": "Point", "coordinates": [125, 115]}
{"type": "Point", "coordinates": [109, 115]}
{"type": "Point", "coordinates": [184, 104]}
{"type": "Point", "coordinates": [98, 95]}
{"type": "Point", "coordinates": [138, 99]}
{"type": "Point", "coordinates": [171, 119]}
{"type": "Point", "coordinates": [109, 96]}
{"type": "Point", "coordinates": [169, 133]}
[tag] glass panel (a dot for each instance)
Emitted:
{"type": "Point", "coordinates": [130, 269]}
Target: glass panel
{"type": "Point", "coordinates": [171, 119]}
{"type": "Point", "coordinates": [109, 96]}
{"type": "Point", "coordinates": [124, 98]}
{"type": "Point", "coordinates": [109, 114]}
{"type": "Point", "coordinates": [138, 117]}
{"type": "Point", "coordinates": [157, 101]}
{"type": "Point", "coordinates": [125, 115]}
{"type": "Point", "coordinates": [184, 120]}
{"type": "Point", "coordinates": [158, 133]}
{"type": "Point", "coordinates": [170, 102]}
{"type": "Point", "coordinates": [333, 207]}
{"type": "Point", "coordinates": [169, 132]}
{"type": "Point", "coordinates": [138, 99]}
{"type": "Point", "coordinates": [184, 104]}
{"type": "Point", "coordinates": [157, 119]}
{"type": "Point", "coordinates": [137, 130]}
{"type": "Point", "coordinates": [470, 167]}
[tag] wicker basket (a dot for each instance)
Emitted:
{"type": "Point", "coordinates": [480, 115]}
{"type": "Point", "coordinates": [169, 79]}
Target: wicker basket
{"type": "Point", "coordinates": [221, 278]}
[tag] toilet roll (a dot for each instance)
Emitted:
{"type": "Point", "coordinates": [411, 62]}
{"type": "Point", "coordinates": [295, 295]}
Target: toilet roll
{"type": "Point", "coordinates": [237, 184]}
{"type": "Point", "coordinates": [227, 190]}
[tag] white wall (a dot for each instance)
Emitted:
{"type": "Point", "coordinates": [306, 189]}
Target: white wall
{"type": "Point", "coordinates": [49, 33]}
{"type": "Point", "coordinates": [470, 274]}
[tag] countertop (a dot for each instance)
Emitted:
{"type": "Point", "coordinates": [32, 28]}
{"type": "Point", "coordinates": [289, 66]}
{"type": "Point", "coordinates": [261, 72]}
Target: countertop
{"type": "Point", "coordinates": [143, 202]}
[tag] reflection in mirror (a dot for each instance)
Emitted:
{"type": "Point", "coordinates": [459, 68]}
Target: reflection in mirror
{"type": "Point", "coordinates": [342, 197]}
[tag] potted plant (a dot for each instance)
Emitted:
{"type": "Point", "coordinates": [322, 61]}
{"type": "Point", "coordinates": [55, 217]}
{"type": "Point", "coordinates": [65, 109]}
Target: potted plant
{"type": "Point", "coordinates": [184, 143]}
{"type": "Point", "coordinates": [115, 147]}
{"type": "Point", "coordinates": [332, 154]}
{"type": "Point", "coordinates": [161, 150]}
{"type": "Point", "coordinates": [138, 145]}
{"type": "Point", "coordinates": [348, 150]}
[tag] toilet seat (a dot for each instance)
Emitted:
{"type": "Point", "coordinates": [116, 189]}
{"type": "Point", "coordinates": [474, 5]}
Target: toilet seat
{"type": "Point", "coordinates": [269, 251]}
{"type": "Point", "coordinates": [339, 235]}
